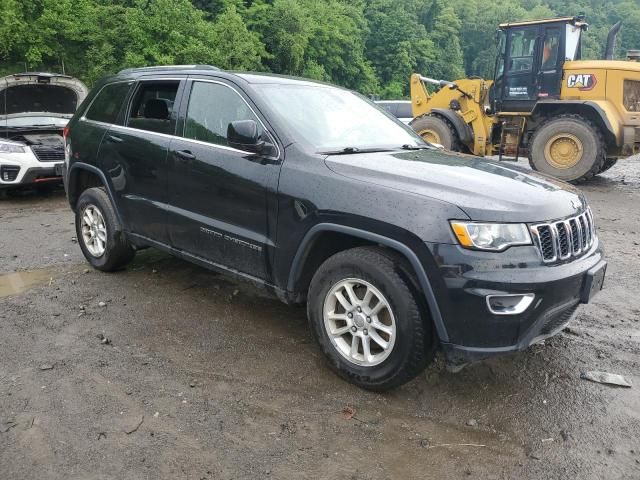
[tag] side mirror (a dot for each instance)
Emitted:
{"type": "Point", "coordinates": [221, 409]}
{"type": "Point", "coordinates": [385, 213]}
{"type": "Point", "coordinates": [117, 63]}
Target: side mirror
{"type": "Point", "coordinates": [244, 135]}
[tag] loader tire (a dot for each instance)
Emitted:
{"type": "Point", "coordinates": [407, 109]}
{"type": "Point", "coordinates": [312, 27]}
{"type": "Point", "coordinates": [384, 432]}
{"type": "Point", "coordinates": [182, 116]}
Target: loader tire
{"type": "Point", "coordinates": [437, 130]}
{"type": "Point", "coordinates": [568, 147]}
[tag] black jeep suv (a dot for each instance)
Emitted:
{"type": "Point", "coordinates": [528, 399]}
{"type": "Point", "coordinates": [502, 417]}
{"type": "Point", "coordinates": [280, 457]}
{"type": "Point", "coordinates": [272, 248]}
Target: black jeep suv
{"type": "Point", "coordinates": [312, 191]}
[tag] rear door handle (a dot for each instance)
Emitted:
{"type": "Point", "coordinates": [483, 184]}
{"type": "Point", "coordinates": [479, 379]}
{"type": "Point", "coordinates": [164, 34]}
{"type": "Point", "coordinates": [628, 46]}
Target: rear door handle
{"type": "Point", "coordinates": [185, 154]}
{"type": "Point", "coordinates": [114, 139]}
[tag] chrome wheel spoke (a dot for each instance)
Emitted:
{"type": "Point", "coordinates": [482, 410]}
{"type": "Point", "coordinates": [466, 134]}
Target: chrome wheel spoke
{"type": "Point", "coordinates": [382, 327]}
{"type": "Point", "coordinates": [367, 298]}
{"type": "Point", "coordinates": [337, 316]}
{"type": "Point", "coordinates": [343, 301]}
{"type": "Point", "coordinates": [366, 349]}
{"type": "Point", "coordinates": [338, 332]}
{"type": "Point", "coordinates": [378, 339]}
{"type": "Point", "coordinates": [378, 308]}
{"type": "Point", "coordinates": [355, 340]}
{"type": "Point", "coordinates": [353, 299]}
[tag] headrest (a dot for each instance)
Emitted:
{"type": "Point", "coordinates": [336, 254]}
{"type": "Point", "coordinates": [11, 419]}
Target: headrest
{"type": "Point", "coordinates": [156, 108]}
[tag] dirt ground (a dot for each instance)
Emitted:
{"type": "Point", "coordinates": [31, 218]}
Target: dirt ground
{"type": "Point", "coordinates": [169, 371]}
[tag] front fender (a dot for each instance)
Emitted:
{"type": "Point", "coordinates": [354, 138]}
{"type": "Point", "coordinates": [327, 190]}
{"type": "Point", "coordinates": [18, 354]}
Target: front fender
{"type": "Point", "coordinates": [421, 274]}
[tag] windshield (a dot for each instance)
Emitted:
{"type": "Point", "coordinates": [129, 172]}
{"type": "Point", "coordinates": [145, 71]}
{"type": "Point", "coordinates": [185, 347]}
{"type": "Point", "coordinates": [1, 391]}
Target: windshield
{"type": "Point", "coordinates": [332, 119]}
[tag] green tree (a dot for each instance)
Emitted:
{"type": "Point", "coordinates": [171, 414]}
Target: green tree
{"type": "Point", "coordinates": [237, 47]}
{"type": "Point", "coordinates": [396, 44]}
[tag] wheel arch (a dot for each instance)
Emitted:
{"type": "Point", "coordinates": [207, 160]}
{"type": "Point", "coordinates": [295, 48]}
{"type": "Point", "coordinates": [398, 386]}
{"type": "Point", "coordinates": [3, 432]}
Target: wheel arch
{"type": "Point", "coordinates": [463, 130]}
{"type": "Point", "coordinates": [82, 176]}
{"type": "Point", "coordinates": [304, 263]}
{"type": "Point", "coordinates": [590, 110]}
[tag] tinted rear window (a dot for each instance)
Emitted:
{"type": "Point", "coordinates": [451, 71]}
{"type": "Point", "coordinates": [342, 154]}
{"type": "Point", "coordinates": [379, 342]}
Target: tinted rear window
{"type": "Point", "coordinates": [107, 104]}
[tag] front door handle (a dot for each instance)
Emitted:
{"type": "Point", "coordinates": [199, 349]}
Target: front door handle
{"type": "Point", "coordinates": [185, 154]}
{"type": "Point", "coordinates": [114, 139]}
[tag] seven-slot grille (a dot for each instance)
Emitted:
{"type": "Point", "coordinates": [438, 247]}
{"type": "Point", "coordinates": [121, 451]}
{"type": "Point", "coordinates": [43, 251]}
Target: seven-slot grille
{"type": "Point", "coordinates": [48, 154]}
{"type": "Point", "coordinates": [565, 239]}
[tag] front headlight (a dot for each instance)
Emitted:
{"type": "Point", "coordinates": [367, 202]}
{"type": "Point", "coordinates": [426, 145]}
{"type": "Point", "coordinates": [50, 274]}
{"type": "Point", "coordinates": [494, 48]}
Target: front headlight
{"type": "Point", "coordinates": [11, 147]}
{"type": "Point", "coordinates": [491, 236]}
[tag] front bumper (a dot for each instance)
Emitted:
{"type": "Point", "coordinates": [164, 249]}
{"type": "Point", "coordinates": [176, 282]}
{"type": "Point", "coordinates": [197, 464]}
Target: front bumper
{"type": "Point", "coordinates": [468, 277]}
{"type": "Point", "coordinates": [25, 169]}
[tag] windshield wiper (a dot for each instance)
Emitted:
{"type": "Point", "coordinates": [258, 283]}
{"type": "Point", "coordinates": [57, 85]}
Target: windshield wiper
{"type": "Point", "coordinates": [408, 146]}
{"type": "Point", "coordinates": [352, 150]}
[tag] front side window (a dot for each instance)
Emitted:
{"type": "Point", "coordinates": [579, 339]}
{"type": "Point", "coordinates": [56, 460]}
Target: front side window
{"type": "Point", "coordinates": [212, 107]}
{"type": "Point", "coordinates": [502, 43]}
{"type": "Point", "coordinates": [523, 46]}
{"type": "Point", "coordinates": [550, 49]}
{"type": "Point", "coordinates": [331, 119]}
{"type": "Point", "coordinates": [107, 105]}
{"type": "Point", "coordinates": [152, 107]}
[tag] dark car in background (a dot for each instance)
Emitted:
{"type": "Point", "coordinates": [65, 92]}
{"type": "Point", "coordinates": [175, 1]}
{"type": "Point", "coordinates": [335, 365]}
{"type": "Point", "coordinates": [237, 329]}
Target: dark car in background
{"type": "Point", "coordinates": [34, 109]}
{"type": "Point", "coordinates": [396, 247]}
{"type": "Point", "coordinates": [401, 109]}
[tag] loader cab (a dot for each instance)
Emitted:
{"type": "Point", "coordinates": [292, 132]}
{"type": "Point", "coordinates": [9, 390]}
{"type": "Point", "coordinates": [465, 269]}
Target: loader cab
{"type": "Point", "coordinates": [530, 61]}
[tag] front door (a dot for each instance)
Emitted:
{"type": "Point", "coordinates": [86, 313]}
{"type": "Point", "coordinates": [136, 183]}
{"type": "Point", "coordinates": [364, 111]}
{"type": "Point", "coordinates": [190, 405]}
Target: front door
{"type": "Point", "coordinates": [222, 200]}
{"type": "Point", "coordinates": [519, 85]}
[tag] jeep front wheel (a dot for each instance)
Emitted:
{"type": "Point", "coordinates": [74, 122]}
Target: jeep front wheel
{"type": "Point", "coordinates": [368, 320]}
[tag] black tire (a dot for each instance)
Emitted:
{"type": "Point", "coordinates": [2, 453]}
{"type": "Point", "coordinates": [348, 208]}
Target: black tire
{"type": "Point", "coordinates": [608, 163]}
{"type": "Point", "coordinates": [590, 137]}
{"type": "Point", "coordinates": [118, 251]}
{"type": "Point", "coordinates": [414, 345]}
{"type": "Point", "coordinates": [444, 131]}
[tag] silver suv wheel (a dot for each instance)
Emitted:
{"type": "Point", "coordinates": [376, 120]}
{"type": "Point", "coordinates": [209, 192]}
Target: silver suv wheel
{"type": "Point", "coordinates": [359, 321]}
{"type": "Point", "coordinates": [94, 231]}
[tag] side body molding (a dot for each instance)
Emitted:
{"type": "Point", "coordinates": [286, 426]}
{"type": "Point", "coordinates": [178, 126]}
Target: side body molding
{"type": "Point", "coordinates": [298, 261]}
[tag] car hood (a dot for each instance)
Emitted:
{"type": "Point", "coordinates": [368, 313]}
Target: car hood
{"type": "Point", "coordinates": [485, 190]}
{"type": "Point", "coordinates": [44, 93]}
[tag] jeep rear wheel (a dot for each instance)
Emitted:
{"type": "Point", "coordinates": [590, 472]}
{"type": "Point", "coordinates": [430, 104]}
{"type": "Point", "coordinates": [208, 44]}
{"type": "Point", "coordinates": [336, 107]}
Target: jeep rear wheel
{"type": "Point", "coordinates": [368, 319]}
{"type": "Point", "coordinates": [99, 233]}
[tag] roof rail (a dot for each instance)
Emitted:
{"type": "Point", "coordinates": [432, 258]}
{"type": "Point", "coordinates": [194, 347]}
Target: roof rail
{"type": "Point", "coordinates": [156, 68]}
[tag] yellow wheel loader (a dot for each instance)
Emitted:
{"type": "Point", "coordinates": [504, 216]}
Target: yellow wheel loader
{"type": "Point", "coordinates": [573, 118]}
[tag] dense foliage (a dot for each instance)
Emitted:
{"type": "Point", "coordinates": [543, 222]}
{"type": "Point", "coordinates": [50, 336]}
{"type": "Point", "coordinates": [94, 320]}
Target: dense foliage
{"type": "Point", "coordinates": [369, 45]}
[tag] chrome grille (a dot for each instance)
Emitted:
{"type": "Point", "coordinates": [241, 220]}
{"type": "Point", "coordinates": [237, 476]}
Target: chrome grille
{"type": "Point", "coordinates": [565, 239]}
{"type": "Point", "coordinates": [48, 154]}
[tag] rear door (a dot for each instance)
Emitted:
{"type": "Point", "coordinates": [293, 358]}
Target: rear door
{"type": "Point", "coordinates": [135, 155]}
{"type": "Point", "coordinates": [223, 206]}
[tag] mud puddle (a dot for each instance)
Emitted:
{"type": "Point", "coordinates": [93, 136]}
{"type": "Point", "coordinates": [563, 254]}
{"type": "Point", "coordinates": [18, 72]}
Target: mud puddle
{"type": "Point", "coordinates": [19, 282]}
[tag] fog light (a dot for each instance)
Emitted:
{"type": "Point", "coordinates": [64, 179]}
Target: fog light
{"type": "Point", "coordinates": [513, 304]}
